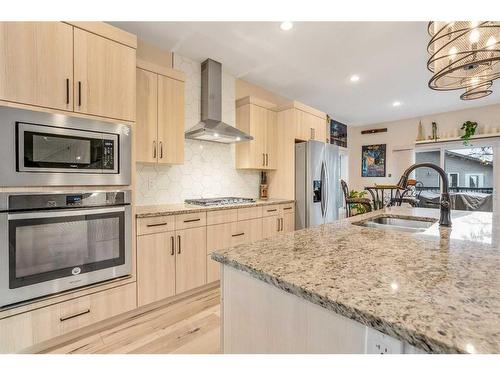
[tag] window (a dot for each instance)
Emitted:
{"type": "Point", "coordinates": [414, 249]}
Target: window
{"type": "Point", "coordinates": [474, 180]}
{"type": "Point", "coordinates": [453, 179]}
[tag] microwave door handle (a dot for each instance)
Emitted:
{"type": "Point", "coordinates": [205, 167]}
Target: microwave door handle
{"type": "Point", "coordinates": [63, 213]}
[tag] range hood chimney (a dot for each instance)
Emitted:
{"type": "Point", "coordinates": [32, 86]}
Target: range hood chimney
{"type": "Point", "coordinates": [211, 128]}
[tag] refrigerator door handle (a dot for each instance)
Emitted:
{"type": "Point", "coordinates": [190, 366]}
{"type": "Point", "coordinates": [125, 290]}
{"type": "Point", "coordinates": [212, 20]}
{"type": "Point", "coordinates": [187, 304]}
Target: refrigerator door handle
{"type": "Point", "coordinates": [327, 186]}
{"type": "Point", "coordinates": [323, 189]}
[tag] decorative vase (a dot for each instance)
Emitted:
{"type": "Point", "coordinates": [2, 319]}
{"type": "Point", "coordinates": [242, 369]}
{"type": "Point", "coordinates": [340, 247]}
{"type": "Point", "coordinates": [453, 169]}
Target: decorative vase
{"type": "Point", "coordinates": [420, 132]}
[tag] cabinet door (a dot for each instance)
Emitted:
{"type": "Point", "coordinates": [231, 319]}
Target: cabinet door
{"type": "Point", "coordinates": [155, 267]}
{"type": "Point", "coordinates": [270, 226]}
{"type": "Point", "coordinates": [36, 63]}
{"type": "Point", "coordinates": [170, 120]}
{"type": "Point", "coordinates": [213, 270]}
{"type": "Point", "coordinates": [288, 221]}
{"type": "Point", "coordinates": [191, 258]}
{"type": "Point", "coordinates": [258, 126]}
{"type": "Point", "coordinates": [319, 129]}
{"type": "Point", "coordinates": [252, 230]}
{"type": "Point", "coordinates": [271, 139]}
{"type": "Point", "coordinates": [104, 77]}
{"type": "Point", "coordinates": [147, 111]}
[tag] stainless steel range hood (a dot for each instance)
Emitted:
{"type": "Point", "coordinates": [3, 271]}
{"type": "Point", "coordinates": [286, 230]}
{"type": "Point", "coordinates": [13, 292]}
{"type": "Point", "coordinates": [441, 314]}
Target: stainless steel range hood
{"type": "Point", "coordinates": [211, 128]}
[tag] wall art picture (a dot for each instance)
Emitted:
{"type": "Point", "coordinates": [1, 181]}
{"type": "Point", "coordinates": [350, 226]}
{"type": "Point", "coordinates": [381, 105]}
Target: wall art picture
{"type": "Point", "coordinates": [373, 160]}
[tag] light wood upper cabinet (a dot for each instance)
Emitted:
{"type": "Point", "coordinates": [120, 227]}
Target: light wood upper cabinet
{"type": "Point", "coordinates": [170, 120]}
{"type": "Point", "coordinates": [155, 267]}
{"type": "Point", "coordinates": [36, 63]}
{"type": "Point", "coordinates": [191, 258]}
{"type": "Point", "coordinates": [258, 119]}
{"type": "Point", "coordinates": [309, 126]}
{"type": "Point", "coordinates": [105, 82]}
{"type": "Point", "coordinates": [147, 116]}
{"type": "Point", "coordinates": [160, 118]}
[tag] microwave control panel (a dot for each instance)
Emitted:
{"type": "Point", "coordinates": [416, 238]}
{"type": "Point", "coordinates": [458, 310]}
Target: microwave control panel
{"type": "Point", "coordinates": [108, 150]}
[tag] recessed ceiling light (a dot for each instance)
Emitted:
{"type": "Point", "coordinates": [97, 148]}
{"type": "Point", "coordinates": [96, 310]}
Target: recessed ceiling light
{"type": "Point", "coordinates": [354, 78]}
{"type": "Point", "coordinates": [396, 104]}
{"type": "Point", "coordinates": [286, 25]}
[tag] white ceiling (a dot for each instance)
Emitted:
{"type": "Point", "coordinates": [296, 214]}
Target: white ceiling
{"type": "Point", "coordinates": [313, 62]}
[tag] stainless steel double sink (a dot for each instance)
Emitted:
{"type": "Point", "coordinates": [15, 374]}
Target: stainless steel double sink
{"type": "Point", "coordinates": [405, 224]}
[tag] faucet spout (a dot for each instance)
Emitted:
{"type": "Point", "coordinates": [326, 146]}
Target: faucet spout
{"type": "Point", "coordinates": [445, 204]}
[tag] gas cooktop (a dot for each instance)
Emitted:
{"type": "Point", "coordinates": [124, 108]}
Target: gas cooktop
{"type": "Point", "coordinates": [219, 201]}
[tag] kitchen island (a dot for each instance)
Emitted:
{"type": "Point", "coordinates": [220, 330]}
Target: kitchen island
{"type": "Point", "coordinates": [346, 288]}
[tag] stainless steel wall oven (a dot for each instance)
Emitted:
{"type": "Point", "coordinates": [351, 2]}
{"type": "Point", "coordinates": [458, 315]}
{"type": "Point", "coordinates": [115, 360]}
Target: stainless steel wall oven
{"type": "Point", "coordinates": [54, 242]}
{"type": "Point", "coordinates": [45, 149]}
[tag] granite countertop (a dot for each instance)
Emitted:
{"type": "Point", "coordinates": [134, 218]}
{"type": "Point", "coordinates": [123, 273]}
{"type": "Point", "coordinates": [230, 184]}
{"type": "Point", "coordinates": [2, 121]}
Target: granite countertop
{"type": "Point", "coordinates": [182, 208]}
{"type": "Point", "coordinates": [437, 290]}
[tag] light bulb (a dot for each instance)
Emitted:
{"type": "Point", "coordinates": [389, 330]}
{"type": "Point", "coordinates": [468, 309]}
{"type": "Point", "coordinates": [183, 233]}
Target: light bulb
{"type": "Point", "coordinates": [354, 78]}
{"type": "Point", "coordinates": [286, 25]}
{"type": "Point", "coordinates": [453, 52]}
{"type": "Point", "coordinates": [474, 36]}
{"type": "Point", "coordinates": [491, 42]}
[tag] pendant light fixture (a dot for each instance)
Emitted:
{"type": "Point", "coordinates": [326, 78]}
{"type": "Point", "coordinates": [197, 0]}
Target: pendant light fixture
{"type": "Point", "coordinates": [464, 55]}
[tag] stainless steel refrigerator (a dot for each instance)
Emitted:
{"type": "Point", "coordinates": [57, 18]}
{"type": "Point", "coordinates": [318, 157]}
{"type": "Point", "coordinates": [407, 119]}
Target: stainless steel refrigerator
{"type": "Point", "coordinates": [317, 183]}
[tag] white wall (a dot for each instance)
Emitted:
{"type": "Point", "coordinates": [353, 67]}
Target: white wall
{"type": "Point", "coordinates": [402, 134]}
{"type": "Point", "coordinates": [208, 169]}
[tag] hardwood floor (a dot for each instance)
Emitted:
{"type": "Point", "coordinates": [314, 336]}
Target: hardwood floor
{"type": "Point", "coordinates": [188, 326]}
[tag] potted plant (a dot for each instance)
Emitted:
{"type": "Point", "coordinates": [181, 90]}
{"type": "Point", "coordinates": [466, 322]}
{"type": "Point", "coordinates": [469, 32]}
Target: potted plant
{"type": "Point", "coordinates": [360, 209]}
{"type": "Point", "coordinates": [469, 128]}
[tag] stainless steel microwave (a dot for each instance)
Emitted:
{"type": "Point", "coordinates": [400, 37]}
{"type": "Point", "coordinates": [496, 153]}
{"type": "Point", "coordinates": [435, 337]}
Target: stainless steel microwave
{"type": "Point", "coordinates": [44, 149]}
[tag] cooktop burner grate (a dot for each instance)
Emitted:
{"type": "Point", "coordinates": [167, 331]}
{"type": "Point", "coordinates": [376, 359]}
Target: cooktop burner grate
{"type": "Point", "coordinates": [219, 201]}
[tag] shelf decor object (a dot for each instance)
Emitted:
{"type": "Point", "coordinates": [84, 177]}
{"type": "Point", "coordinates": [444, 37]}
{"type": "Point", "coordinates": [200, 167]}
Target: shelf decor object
{"type": "Point", "coordinates": [469, 128]}
{"type": "Point", "coordinates": [373, 160]}
{"type": "Point", "coordinates": [464, 55]}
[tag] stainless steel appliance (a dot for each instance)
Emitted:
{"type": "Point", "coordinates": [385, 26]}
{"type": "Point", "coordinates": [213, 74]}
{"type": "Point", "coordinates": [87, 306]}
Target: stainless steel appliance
{"type": "Point", "coordinates": [317, 183]}
{"type": "Point", "coordinates": [211, 128]}
{"type": "Point", "coordinates": [54, 242]}
{"type": "Point", "coordinates": [219, 201]}
{"type": "Point", "coordinates": [46, 149]}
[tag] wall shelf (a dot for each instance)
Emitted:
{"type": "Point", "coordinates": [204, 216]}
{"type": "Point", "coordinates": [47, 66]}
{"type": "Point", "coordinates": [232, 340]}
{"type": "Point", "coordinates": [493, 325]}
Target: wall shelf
{"type": "Point", "coordinates": [455, 139]}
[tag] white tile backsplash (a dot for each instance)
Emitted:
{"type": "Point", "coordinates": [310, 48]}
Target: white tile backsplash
{"type": "Point", "coordinates": [208, 169]}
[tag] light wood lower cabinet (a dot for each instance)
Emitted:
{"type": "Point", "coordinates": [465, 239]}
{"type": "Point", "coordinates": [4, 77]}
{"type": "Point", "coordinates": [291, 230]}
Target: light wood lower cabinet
{"type": "Point", "coordinates": [227, 235]}
{"type": "Point", "coordinates": [190, 267]}
{"type": "Point", "coordinates": [36, 63]}
{"type": "Point", "coordinates": [279, 219]}
{"type": "Point", "coordinates": [170, 262]}
{"type": "Point", "coordinates": [24, 330]}
{"type": "Point", "coordinates": [156, 263]}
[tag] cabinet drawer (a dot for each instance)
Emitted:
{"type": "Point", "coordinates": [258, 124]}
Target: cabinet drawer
{"type": "Point", "coordinates": [287, 207]}
{"type": "Point", "coordinates": [24, 330]}
{"type": "Point", "coordinates": [222, 216]}
{"type": "Point", "coordinates": [184, 221]}
{"type": "Point", "coordinates": [249, 213]}
{"type": "Point", "coordinates": [270, 210]}
{"type": "Point", "coordinates": [150, 225]}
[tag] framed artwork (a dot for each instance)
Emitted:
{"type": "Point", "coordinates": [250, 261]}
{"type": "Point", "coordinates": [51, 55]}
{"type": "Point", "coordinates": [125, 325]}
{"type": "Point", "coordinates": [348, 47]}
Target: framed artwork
{"type": "Point", "coordinates": [373, 160]}
{"type": "Point", "coordinates": [338, 133]}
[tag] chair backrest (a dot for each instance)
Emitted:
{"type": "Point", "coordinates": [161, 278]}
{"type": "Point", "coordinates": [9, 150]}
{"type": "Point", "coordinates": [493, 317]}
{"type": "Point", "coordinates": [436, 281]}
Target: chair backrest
{"type": "Point", "coordinates": [345, 190]}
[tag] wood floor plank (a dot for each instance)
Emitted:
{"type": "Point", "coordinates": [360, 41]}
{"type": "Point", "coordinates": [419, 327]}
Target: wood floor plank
{"type": "Point", "coordinates": [191, 325]}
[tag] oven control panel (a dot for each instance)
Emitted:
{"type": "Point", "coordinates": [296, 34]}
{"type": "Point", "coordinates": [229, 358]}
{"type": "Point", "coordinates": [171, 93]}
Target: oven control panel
{"type": "Point", "coordinates": [74, 200]}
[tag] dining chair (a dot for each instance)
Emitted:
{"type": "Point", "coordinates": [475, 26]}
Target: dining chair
{"type": "Point", "coordinates": [348, 201]}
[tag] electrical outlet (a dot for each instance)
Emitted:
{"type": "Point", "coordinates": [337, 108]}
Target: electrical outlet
{"type": "Point", "coordinates": [151, 183]}
{"type": "Point", "coordinates": [379, 343]}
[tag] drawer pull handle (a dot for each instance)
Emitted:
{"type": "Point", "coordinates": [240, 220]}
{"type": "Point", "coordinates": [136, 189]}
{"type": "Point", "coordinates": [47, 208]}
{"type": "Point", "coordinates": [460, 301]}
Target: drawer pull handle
{"type": "Point", "coordinates": [74, 316]}
{"type": "Point", "coordinates": [273, 210]}
{"type": "Point", "coordinates": [191, 220]}
{"type": "Point", "coordinates": [238, 234]}
{"type": "Point", "coordinates": [67, 90]}
{"type": "Point", "coordinates": [287, 208]}
{"type": "Point", "coordinates": [179, 242]}
{"type": "Point", "coordinates": [156, 225]}
{"type": "Point", "coordinates": [79, 93]}
{"type": "Point", "coordinates": [172, 245]}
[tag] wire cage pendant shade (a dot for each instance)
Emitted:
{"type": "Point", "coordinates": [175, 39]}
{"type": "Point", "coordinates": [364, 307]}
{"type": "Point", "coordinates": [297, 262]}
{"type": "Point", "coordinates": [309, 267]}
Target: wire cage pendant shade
{"type": "Point", "coordinates": [464, 55]}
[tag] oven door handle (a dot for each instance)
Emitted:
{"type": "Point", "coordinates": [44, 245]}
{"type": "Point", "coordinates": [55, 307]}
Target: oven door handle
{"type": "Point", "coordinates": [63, 213]}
